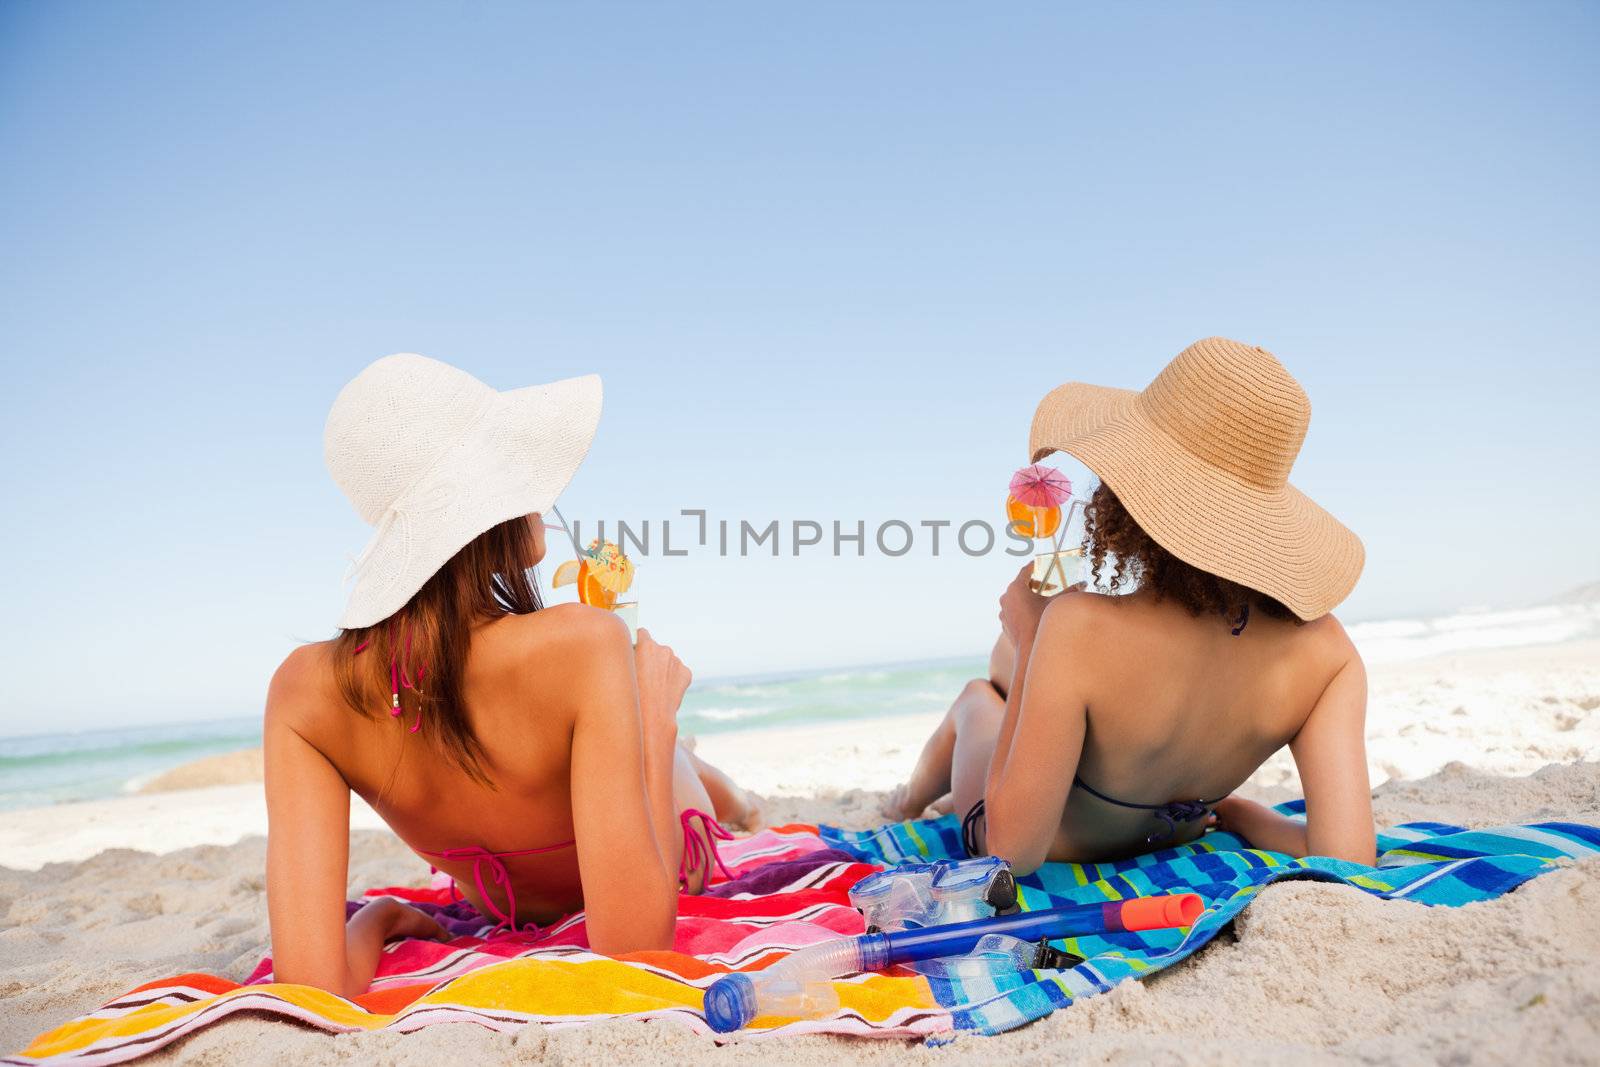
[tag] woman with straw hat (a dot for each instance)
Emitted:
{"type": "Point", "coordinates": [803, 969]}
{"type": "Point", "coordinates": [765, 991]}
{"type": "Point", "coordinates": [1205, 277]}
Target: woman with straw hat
{"type": "Point", "coordinates": [1113, 724]}
{"type": "Point", "coordinates": [529, 753]}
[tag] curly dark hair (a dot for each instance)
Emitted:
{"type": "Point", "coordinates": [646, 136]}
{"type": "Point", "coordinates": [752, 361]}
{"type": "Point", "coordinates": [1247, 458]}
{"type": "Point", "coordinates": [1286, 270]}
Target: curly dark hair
{"type": "Point", "coordinates": [1122, 557]}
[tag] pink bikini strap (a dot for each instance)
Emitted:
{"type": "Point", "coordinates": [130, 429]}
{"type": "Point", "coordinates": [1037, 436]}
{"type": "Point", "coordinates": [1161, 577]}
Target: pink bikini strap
{"type": "Point", "coordinates": [400, 677]}
{"type": "Point", "coordinates": [698, 853]}
{"type": "Point", "coordinates": [482, 857]}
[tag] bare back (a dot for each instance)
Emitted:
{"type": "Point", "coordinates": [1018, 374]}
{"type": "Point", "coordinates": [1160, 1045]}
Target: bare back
{"type": "Point", "coordinates": [1139, 701]}
{"type": "Point", "coordinates": [515, 702]}
{"type": "Point", "coordinates": [579, 748]}
{"type": "Point", "coordinates": [1180, 708]}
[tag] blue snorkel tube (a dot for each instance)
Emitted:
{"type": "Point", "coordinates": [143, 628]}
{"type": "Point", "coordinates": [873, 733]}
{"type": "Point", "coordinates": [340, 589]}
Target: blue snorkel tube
{"type": "Point", "coordinates": [798, 984]}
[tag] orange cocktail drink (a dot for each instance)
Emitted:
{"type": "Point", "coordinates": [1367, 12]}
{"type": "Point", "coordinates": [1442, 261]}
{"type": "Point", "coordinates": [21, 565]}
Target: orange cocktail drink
{"type": "Point", "coordinates": [1032, 522]}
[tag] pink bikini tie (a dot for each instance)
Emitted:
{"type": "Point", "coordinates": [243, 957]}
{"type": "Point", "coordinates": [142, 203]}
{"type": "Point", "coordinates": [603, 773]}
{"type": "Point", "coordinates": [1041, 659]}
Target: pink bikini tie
{"type": "Point", "coordinates": [698, 854]}
{"type": "Point", "coordinates": [499, 875]}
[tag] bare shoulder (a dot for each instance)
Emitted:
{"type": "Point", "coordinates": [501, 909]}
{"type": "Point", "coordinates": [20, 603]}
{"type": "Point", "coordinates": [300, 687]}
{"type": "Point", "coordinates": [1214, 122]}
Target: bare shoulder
{"type": "Point", "coordinates": [1327, 642]}
{"type": "Point", "coordinates": [1082, 613]}
{"type": "Point", "coordinates": [1329, 631]}
{"type": "Point", "coordinates": [1076, 607]}
{"type": "Point", "coordinates": [566, 643]}
{"type": "Point", "coordinates": [299, 688]}
{"type": "Point", "coordinates": [566, 629]}
{"type": "Point", "coordinates": [1080, 620]}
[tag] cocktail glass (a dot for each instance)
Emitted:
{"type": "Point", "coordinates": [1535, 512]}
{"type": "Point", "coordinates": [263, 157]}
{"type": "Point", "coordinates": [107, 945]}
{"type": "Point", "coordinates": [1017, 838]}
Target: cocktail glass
{"type": "Point", "coordinates": [1056, 571]}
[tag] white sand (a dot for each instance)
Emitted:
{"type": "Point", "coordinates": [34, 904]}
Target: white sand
{"type": "Point", "coordinates": [1311, 973]}
{"type": "Point", "coordinates": [151, 822]}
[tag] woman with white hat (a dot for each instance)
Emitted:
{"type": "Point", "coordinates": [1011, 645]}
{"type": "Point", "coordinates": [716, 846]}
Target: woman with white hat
{"type": "Point", "coordinates": [530, 753]}
{"type": "Point", "coordinates": [1113, 724]}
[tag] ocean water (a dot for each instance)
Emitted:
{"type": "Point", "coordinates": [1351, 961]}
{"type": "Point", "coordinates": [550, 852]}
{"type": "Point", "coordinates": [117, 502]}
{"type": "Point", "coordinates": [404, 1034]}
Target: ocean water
{"type": "Point", "coordinates": [1398, 640]}
{"type": "Point", "coordinates": [826, 696]}
{"type": "Point", "coordinates": [54, 768]}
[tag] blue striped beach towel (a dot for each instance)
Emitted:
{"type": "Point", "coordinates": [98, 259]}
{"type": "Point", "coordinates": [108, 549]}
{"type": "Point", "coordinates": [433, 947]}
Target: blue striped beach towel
{"type": "Point", "coordinates": [1427, 862]}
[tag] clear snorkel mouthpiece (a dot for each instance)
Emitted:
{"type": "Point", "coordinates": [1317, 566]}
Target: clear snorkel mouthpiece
{"type": "Point", "coordinates": [993, 956]}
{"type": "Point", "coordinates": [935, 894]}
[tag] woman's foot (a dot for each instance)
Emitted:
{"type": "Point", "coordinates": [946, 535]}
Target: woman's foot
{"type": "Point", "coordinates": [898, 805]}
{"type": "Point", "coordinates": [930, 779]}
{"type": "Point", "coordinates": [901, 804]}
{"type": "Point", "coordinates": [894, 804]}
{"type": "Point", "coordinates": [743, 812]}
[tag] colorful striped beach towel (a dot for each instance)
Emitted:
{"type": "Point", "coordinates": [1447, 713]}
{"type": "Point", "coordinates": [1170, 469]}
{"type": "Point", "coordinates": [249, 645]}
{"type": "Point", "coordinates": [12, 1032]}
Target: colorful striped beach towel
{"type": "Point", "coordinates": [789, 890]}
{"type": "Point", "coordinates": [1426, 862]}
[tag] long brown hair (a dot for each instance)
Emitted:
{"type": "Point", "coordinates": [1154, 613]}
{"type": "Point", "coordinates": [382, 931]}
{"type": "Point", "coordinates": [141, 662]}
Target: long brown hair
{"type": "Point", "coordinates": [420, 650]}
{"type": "Point", "coordinates": [1122, 556]}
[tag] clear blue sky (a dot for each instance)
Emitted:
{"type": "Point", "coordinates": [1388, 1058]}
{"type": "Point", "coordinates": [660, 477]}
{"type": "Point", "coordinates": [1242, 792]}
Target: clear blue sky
{"type": "Point", "coordinates": [827, 258]}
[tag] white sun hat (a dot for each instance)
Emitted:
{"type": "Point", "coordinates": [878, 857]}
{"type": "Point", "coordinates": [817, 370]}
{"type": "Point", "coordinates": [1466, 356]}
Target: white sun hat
{"type": "Point", "coordinates": [432, 457]}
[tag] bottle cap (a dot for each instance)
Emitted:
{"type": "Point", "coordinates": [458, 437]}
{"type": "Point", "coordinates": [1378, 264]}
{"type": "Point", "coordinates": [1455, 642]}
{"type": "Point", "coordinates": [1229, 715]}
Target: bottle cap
{"type": "Point", "coordinates": [730, 1003]}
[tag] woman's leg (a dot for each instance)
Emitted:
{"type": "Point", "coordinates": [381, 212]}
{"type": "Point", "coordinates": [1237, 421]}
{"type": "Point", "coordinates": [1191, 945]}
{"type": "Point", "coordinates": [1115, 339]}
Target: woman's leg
{"type": "Point", "coordinates": [698, 786]}
{"type": "Point", "coordinates": [690, 795]}
{"type": "Point", "coordinates": [734, 807]}
{"type": "Point", "coordinates": [955, 759]}
{"type": "Point", "coordinates": [978, 718]}
{"type": "Point", "coordinates": [1002, 662]}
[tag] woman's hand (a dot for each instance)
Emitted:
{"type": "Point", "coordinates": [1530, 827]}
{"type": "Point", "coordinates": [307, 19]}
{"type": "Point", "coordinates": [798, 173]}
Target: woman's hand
{"type": "Point", "coordinates": [1259, 825]}
{"type": "Point", "coordinates": [1229, 812]}
{"type": "Point", "coordinates": [663, 679]}
{"type": "Point", "coordinates": [1021, 608]}
{"type": "Point", "coordinates": [378, 922]}
{"type": "Point", "coordinates": [386, 919]}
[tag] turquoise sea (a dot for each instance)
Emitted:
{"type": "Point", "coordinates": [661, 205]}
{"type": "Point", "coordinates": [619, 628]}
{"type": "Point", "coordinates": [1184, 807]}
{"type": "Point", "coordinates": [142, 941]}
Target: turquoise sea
{"type": "Point", "coordinates": [44, 769]}
{"type": "Point", "coordinates": [87, 765]}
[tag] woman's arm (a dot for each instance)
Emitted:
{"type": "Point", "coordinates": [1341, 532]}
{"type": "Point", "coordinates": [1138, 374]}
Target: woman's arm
{"type": "Point", "coordinates": [1021, 609]}
{"type": "Point", "coordinates": [1261, 826]}
{"type": "Point", "coordinates": [662, 681]}
{"type": "Point", "coordinates": [1008, 725]}
{"type": "Point", "coordinates": [1040, 741]}
{"type": "Point", "coordinates": [308, 848]}
{"type": "Point", "coordinates": [621, 806]}
{"type": "Point", "coordinates": [1020, 612]}
{"type": "Point", "coordinates": [1330, 753]}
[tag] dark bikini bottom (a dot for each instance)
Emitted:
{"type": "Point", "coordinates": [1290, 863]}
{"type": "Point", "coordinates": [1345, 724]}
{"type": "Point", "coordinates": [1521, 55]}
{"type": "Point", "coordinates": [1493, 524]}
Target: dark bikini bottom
{"type": "Point", "coordinates": [1173, 814]}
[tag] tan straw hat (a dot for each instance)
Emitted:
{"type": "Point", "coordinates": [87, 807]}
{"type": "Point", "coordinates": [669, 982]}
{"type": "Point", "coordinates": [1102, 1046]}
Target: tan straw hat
{"type": "Point", "coordinates": [432, 457]}
{"type": "Point", "coordinates": [1201, 461]}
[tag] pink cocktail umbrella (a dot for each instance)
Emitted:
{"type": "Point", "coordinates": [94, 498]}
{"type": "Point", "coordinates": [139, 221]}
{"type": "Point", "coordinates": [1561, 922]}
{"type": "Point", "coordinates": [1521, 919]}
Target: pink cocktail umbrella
{"type": "Point", "coordinates": [1039, 486]}
{"type": "Point", "coordinates": [1043, 489]}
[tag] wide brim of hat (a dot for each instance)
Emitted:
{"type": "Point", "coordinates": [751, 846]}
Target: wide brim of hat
{"type": "Point", "coordinates": [1275, 541]}
{"type": "Point", "coordinates": [516, 460]}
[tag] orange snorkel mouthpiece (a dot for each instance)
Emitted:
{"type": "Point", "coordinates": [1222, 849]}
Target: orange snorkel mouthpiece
{"type": "Point", "coordinates": [1158, 913]}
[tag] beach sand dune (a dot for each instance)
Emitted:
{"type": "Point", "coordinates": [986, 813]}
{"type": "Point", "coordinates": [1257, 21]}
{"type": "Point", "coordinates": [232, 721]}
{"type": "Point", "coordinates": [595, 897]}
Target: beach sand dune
{"type": "Point", "coordinates": [1309, 973]}
{"type": "Point", "coordinates": [229, 768]}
